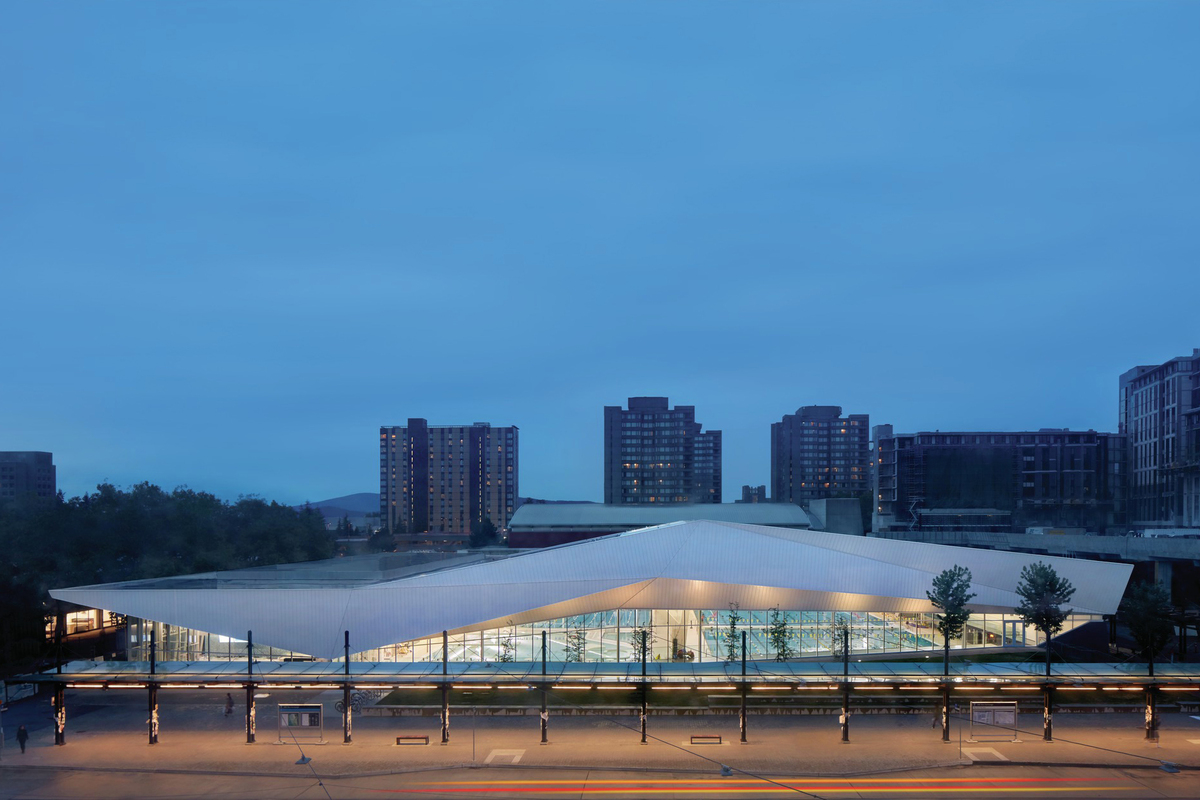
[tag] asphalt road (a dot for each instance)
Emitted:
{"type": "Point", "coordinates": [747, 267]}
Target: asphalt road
{"type": "Point", "coordinates": [22, 783]}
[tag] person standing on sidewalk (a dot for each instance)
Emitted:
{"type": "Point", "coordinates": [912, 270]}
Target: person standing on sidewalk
{"type": "Point", "coordinates": [228, 704]}
{"type": "Point", "coordinates": [22, 737]}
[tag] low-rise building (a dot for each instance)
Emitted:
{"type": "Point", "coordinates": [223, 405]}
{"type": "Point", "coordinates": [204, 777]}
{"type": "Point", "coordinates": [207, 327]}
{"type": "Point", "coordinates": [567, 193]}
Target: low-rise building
{"type": "Point", "coordinates": [555, 524]}
{"type": "Point", "coordinates": [753, 494]}
{"type": "Point", "coordinates": [997, 481]}
{"type": "Point", "coordinates": [27, 472]}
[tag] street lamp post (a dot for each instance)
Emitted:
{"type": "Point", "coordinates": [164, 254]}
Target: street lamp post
{"type": "Point", "coordinates": [742, 714]}
{"type": "Point", "coordinates": [544, 713]}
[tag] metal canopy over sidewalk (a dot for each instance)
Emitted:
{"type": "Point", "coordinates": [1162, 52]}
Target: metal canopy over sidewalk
{"type": "Point", "coordinates": [326, 674]}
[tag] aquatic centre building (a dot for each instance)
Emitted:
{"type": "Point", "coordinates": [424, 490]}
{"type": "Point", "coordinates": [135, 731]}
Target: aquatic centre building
{"type": "Point", "coordinates": [688, 584]}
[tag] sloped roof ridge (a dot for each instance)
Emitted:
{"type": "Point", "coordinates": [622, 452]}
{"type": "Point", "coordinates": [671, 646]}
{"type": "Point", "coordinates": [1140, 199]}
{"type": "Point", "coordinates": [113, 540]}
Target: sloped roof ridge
{"type": "Point", "coordinates": [679, 546]}
{"type": "Point", "coordinates": [595, 540]}
{"type": "Point", "coordinates": [806, 537]}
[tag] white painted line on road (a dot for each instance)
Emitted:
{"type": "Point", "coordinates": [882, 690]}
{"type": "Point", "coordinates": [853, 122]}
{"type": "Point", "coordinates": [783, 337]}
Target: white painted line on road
{"type": "Point", "coordinates": [983, 754]}
{"type": "Point", "coordinates": [514, 756]}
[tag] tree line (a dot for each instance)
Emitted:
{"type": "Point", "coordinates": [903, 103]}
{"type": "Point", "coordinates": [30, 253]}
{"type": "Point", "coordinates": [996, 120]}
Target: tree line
{"type": "Point", "coordinates": [143, 532]}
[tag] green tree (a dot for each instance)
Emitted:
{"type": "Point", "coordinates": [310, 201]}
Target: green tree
{"type": "Point", "coordinates": [839, 636]}
{"type": "Point", "coordinates": [780, 636]}
{"type": "Point", "coordinates": [731, 637]}
{"type": "Point", "coordinates": [641, 643]}
{"type": "Point", "coordinates": [508, 649]}
{"type": "Point", "coordinates": [577, 645]}
{"type": "Point", "coordinates": [1043, 594]}
{"type": "Point", "coordinates": [1146, 609]}
{"type": "Point", "coordinates": [951, 593]}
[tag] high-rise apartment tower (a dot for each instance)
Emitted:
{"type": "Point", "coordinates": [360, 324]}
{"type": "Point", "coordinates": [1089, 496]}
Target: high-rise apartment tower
{"type": "Point", "coordinates": [446, 478]}
{"type": "Point", "coordinates": [817, 453]}
{"type": "Point", "coordinates": [657, 454]}
{"type": "Point", "coordinates": [1159, 412]}
{"type": "Point", "coordinates": [27, 472]}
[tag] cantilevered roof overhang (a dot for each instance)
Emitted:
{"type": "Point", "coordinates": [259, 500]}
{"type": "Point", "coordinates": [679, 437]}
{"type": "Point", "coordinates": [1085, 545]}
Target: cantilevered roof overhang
{"type": "Point", "coordinates": [696, 564]}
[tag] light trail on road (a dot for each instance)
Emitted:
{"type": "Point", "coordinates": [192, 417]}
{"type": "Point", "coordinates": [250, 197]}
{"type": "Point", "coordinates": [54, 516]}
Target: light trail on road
{"type": "Point", "coordinates": [823, 786]}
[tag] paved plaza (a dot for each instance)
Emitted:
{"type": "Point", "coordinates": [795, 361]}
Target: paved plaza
{"type": "Point", "coordinates": [107, 730]}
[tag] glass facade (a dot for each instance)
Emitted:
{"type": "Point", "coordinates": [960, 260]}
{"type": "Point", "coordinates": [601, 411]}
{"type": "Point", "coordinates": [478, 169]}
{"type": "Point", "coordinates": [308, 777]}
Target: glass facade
{"type": "Point", "coordinates": [674, 635]}
{"type": "Point", "coordinates": [688, 635]}
{"type": "Point", "coordinates": [173, 643]}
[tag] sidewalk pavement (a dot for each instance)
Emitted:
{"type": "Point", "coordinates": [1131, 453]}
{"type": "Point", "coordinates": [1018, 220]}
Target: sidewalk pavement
{"type": "Point", "coordinates": [107, 730]}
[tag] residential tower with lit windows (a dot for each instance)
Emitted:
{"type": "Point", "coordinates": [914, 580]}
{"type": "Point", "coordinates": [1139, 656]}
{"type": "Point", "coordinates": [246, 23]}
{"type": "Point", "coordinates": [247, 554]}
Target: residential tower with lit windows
{"type": "Point", "coordinates": [447, 478]}
{"type": "Point", "coordinates": [1159, 410]}
{"type": "Point", "coordinates": [817, 453]}
{"type": "Point", "coordinates": [657, 454]}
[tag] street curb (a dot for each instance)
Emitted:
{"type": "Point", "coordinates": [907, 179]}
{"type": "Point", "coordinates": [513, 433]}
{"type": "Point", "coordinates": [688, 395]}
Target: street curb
{"type": "Point", "coordinates": [576, 767]}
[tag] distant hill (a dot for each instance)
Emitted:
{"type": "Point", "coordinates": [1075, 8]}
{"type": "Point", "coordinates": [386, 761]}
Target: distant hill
{"type": "Point", "coordinates": [356, 506]}
{"type": "Point", "coordinates": [352, 505]}
{"type": "Point", "coordinates": [538, 502]}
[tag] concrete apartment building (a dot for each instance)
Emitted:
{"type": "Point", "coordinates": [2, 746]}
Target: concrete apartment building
{"type": "Point", "coordinates": [753, 494]}
{"type": "Point", "coordinates": [817, 453]}
{"type": "Point", "coordinates": [27, 472]}
{"type": "Point", "coordinates": [993, 481]}
{"type": "Point", "coordinates": [447, 478]}
{"type": "Point", "coordinates": [657, 454]}
{"type": "Point", "coordinates": [1159, 411]}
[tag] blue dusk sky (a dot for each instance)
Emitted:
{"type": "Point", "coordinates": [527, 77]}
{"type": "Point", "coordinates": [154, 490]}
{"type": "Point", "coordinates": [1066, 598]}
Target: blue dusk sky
{"type": "Point", "coordinates": [238, 237]}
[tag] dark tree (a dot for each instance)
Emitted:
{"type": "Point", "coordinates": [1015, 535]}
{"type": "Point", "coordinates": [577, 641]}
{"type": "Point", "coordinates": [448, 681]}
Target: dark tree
{"type": "Point", "coordinates": [1146, 609]}
{"type": "Point", "coordinates": [381, 540]}
{"type": "Point", "coordinates": [142, 532]}
{"type": "Point", "coordinates": [951, 593]}
{"type": "Point", "coordinates": [483, 533]}
{"type": "Point", "coordinates": [1043, 595]}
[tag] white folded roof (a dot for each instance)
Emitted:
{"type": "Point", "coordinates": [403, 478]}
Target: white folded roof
{"type": "Point", "coordinates": [684, 565]}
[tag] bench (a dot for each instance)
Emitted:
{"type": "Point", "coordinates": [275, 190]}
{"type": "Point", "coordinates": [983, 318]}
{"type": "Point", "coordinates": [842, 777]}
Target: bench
{"type": "Point", "coordinates": [706, 738]}
{"type": "Point", "coordinates": [412, 739]}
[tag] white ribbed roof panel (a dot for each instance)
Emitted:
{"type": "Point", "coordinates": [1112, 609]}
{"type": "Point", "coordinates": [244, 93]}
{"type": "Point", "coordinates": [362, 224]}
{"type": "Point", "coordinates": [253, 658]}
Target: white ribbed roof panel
{"type": "Point", "coordinates": [697, 564]}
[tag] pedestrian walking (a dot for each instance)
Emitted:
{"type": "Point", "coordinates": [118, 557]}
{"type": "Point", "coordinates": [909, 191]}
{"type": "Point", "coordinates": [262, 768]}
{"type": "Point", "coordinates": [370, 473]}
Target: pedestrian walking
{"type": "Point", "coordinates": [22, 737]}
{"type": "Point", "coordinates": [228, 704]}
